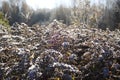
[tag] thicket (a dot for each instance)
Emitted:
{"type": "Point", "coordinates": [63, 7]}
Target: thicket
{"type": "Point", "coordinates": [81, 12]}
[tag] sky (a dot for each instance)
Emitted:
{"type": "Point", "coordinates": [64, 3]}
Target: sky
{"type": "Point", "coordinates": [50, 4]}
{"type": "Point", "coordinates": [47, 3]}
{"type": "Point", "coordinates": [53, 3]}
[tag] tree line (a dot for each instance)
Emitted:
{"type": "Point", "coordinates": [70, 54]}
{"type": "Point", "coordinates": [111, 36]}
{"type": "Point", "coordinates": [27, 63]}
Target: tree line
{"type": "Point", "coordinates": [19, 11]}
{"type": "Point", "coordinates": [102, 16]}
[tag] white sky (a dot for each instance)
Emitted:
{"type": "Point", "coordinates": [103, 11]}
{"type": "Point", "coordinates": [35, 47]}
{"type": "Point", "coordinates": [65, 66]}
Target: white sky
{"type": "Point", "coordinates": [35, 4]}
{"type": "Point", "coordinates": [47, 3]}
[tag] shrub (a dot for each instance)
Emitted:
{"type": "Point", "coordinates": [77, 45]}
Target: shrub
{"type": "Point", "coordinates": [4, 21]}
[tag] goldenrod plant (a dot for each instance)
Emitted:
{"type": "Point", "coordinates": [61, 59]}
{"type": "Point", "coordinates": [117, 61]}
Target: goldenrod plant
{"type": "Point", "coordinates": [4, 21]}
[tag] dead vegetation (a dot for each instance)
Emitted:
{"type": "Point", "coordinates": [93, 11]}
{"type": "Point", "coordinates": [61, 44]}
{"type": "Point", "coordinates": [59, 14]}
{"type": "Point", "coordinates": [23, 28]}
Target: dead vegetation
{"type": "Point", "coordinates": [57, 50]}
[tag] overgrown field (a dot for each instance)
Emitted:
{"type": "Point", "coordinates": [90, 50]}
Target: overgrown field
{"type": "Point", "coordinates": [53, 51]}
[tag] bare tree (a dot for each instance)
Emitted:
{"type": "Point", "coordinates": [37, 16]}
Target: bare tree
{"type": "Point", "coordinates": [80, 11]}
{"type": "Point", "coordinates": [26, 12]}
{"type": "Point", "coordinates": [6, 8]}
